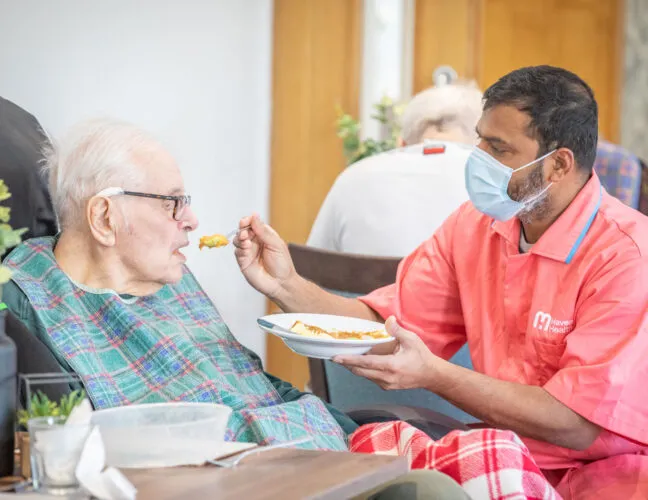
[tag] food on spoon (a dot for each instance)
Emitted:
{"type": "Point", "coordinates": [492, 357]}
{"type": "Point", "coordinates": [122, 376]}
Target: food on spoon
{"type": "Point", "coordinates": [315, 331]}
{"type": "Point", "coordinates": [213, 241]}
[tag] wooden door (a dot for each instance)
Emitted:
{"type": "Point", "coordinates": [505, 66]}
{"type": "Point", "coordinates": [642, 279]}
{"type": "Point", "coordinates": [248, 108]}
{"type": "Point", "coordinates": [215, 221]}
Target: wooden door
{"type": "Point", "coordinates": [316, 68]}
{"type": "Point", "coordinates": [485, 39]}
{"type": "Point", "coordinates": [446, 32]}
{"type": "Point", "coordinates": [583, 36]}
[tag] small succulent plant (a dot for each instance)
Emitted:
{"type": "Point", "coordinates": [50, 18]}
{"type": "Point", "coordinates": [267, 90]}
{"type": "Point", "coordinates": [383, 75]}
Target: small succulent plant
{"type": "Point", "coordinates": [41, 406]}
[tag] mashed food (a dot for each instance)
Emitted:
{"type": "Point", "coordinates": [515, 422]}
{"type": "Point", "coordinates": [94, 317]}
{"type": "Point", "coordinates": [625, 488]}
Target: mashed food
{"type": "Point", "coordinates": [213, 241]}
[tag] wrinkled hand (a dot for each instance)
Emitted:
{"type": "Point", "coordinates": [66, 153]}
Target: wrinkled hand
{"type": "Point", "coordinates": [411, 366]}
{"type": "Point", "coordinates": [263, 256]}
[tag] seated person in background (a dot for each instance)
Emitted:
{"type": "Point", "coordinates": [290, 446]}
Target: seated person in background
{"type": "Point", "coordinates": [543, 273]}
{"type": "Point", "coordinates": [21, 144]}
{"type": "Point", "coordinates": [388, 204]}
{"type": "Point", "coordinates": [112, 299]}
{"type": "Point", "coordinates": [620, 172]}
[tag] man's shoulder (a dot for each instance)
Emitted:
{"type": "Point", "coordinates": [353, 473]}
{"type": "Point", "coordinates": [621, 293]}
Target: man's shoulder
{"type": "Point", "coordinates": [469, 219]}
{"type": "Point", "coordinates": [29, 251]}
{"type": "Point", "coordinates": [624, 226]}
{"type": "Point", "coordinates": [400, 160]}
{"type": "Point", "coordinates": [18, 304]}
{"type": "Point", "coordinates": [465, 224]}
{"type": "Point", "coordinates": [355, 178]}
{"type": "Point", "coordinates": [14, 298]}
{"type": "Point", "coordinates": [399, 173]}
{"type": "Point", "coordinates": [369, 167]}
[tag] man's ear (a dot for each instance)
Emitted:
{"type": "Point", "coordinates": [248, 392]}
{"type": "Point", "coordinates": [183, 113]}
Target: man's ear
{"type": "Point", "coordinates": [100, 214]}
{"type": "Point", "coordinates": [563, 163]}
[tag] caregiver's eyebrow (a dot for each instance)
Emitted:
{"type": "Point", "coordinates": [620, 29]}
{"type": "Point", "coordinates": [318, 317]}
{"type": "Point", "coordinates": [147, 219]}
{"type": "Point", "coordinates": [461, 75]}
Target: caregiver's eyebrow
{"type": "Point", "coordinates": [491, 139]}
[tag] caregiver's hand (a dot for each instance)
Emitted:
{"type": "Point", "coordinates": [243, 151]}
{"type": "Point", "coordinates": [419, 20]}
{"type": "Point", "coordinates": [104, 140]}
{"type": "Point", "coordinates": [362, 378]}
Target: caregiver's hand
{"type": "Point", "coordinates": [411, 366]}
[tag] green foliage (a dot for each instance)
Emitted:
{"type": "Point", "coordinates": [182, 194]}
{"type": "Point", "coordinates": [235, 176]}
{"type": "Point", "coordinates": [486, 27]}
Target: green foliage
{"type": "Point", "coordinates": [348, 129]}
{"type": "Point", "coordinates": [41, 406]}
{"type": "Point", "coordinates": [8, 237]}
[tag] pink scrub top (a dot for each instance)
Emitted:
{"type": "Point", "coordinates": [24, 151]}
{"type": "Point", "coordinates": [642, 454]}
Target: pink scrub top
{"type": "Point", "coordinates": [571, 316]}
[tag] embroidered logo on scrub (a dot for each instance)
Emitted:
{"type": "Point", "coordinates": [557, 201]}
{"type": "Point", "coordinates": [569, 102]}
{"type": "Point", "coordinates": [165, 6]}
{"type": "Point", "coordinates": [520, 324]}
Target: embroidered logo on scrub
{"type": "Point", "coordinates": [544, 322]}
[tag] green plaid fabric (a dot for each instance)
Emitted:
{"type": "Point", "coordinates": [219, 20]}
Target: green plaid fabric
{"type": "Point", "coordinates": [169, 346]}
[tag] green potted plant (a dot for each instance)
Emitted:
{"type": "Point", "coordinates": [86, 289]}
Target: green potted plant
{"type": "Point", "coordinates": [41, 406]}
{"type": "Point", "coordinates": [349, 130]}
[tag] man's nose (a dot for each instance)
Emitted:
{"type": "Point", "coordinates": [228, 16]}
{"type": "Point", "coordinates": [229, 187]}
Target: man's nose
{"type": "Point", "coordinates": [189, 220]}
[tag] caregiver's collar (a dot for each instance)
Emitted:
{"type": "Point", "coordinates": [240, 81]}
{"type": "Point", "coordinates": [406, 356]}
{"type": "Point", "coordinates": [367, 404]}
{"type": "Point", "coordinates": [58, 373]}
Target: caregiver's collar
{"type": "Point", "coordinates": [563, 238]}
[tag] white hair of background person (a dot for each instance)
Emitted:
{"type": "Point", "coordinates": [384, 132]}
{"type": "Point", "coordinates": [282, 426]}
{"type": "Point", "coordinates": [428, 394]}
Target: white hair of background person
{"type": "Point", "coordinates": [94, 155]}
{"type": "Point", "coordinates": [449, 107]}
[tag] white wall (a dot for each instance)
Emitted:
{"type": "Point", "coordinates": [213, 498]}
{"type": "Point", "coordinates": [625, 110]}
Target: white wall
{"type": "Point", "coordinates": [196, 73]}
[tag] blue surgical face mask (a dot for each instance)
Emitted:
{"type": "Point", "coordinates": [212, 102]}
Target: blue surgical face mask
{"type": "Point", "coordinates": [487, 182]}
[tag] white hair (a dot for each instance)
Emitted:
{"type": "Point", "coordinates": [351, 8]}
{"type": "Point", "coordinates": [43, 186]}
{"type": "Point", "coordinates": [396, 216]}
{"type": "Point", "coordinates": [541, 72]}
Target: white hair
{"type": "Point", "coordinates": [456, 104]}
{"type": "Point", "coordinates": [94, 155]}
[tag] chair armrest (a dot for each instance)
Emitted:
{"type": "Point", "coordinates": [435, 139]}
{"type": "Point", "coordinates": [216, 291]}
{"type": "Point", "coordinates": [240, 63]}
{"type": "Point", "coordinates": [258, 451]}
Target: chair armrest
{"type": "Point", "coordinates": [434, 424]}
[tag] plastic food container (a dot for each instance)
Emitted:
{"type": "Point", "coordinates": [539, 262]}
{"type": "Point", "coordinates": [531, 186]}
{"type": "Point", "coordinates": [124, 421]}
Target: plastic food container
{"type": "Point", "coordinates": [162, 434]}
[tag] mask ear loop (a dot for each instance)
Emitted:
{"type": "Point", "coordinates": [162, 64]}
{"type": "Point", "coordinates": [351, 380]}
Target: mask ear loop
{"type": "Point", "coordinates": [534, 198]}
{"type": "Point", "coordinates": [535, 161]}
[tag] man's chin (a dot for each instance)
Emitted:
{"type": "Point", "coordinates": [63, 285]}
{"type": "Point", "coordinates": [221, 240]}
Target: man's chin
{"type": "Point", "coordinates": [534, 214]}
{"type": "Point", "coordinates": [174, 275]}
{"type": "Point", "coordinates": [178, 255]}
{"type": "Point", "coordinates": [526, 217]}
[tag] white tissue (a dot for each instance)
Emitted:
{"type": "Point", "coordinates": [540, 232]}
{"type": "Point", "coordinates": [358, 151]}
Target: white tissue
{"type": "Point", "coordinates": [80, 414]}
{"type": "Point", "coordinates": [108, 484]}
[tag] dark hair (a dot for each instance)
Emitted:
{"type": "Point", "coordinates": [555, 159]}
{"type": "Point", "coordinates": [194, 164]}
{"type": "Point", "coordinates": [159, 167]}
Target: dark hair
{"type": "Point", "coordinates": [561, 106]}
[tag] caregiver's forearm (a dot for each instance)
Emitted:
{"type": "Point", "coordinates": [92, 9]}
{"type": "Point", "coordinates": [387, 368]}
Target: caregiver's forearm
{"type": "Point", "coordinates": [301, 295]}
{"type": "Point", "coordinates": [527, 410]}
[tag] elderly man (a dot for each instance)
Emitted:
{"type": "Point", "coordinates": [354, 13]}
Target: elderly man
{"type": "Point", "coordinates": [543, 274]}
{"type": "Point", "coordinates": [405, 193]}
{"type": "Point", "coordinates": [113, 301]}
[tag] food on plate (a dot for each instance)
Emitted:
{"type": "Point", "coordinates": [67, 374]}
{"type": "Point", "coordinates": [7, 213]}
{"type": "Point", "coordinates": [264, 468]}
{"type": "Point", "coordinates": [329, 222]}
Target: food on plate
{"type": "Point", "coordinates": [315, 331]}
{"type": "Point", "coordinates": [213, 241]}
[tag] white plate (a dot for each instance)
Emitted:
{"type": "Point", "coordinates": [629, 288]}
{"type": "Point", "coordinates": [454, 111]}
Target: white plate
{"type": "Point", "coordinates": [323, 348]}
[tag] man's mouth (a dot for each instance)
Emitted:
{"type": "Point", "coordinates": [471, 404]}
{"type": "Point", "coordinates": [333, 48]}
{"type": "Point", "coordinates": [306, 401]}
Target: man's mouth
{"type": "Point", "coordinates": [178, 252]}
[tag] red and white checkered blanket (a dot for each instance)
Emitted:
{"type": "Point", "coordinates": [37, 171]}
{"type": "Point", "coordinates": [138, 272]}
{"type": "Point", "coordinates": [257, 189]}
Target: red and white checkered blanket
{"type": "Point", "coordinates": [487, 463]}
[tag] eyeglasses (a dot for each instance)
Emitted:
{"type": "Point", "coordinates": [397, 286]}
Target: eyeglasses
{"type": "Point", "coordinates": [180, 202]}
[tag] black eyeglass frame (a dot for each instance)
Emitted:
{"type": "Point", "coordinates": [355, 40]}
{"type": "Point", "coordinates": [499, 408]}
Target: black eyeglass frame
{"type": "Point", "coordinates": [185, 199]}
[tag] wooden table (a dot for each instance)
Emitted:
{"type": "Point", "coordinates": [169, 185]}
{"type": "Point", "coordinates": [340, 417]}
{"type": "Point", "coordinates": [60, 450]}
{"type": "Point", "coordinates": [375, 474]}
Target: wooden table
{"type": "Point", "coordinates": [281, 473]}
